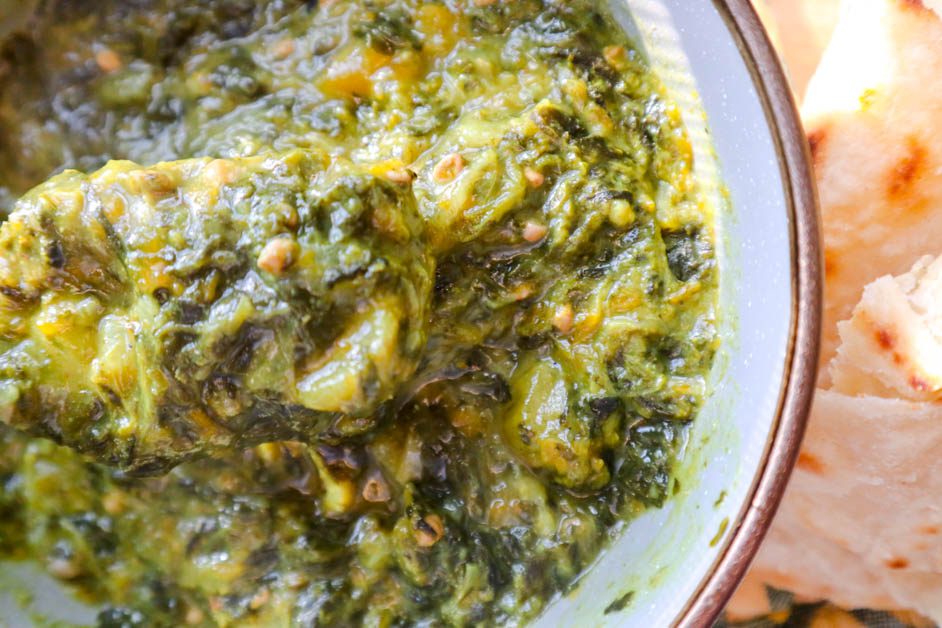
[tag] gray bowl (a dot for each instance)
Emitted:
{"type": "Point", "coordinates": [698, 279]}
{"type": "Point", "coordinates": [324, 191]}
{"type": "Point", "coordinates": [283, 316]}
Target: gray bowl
{"type": "Point", "coordinates": [680, 564]}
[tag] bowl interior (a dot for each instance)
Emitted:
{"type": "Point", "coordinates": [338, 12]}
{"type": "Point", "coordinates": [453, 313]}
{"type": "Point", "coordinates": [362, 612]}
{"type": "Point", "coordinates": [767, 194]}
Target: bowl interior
{"type": "Point", "coordinates": [659, 562]}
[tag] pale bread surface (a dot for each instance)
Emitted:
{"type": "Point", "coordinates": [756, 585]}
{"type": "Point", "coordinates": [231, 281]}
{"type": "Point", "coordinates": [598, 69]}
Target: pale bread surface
{"type": "Point", "coordinates": [891, 345]}
{"type": "Point", "coordinates": [873, 112]}
{"type": "Point", "coordinates": [861, 523]}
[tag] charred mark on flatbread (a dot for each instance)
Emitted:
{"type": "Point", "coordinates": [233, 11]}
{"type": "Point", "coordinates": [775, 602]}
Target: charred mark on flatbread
{"type": "Point", "coordinates": [816, 141]}
{"type": "Point", "coordinates": [897, 563]}
{"type": "Point", "coordinates": [885, 339]}
{"type": "Point", "coordinates": [810, 463]}
{"type": "Point", "coordinates": [830, 263]}
{"type": "Point", "coordinates": [915, 5]}
{"type": "Point", "coordinates": [929, 530]}
{"type": "Point", "coordinates": [908, 169]}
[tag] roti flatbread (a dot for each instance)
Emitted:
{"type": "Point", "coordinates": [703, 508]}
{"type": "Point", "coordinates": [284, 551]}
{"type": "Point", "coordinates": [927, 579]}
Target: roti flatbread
{"type": "Point", "coordinates": [891, 345]}
{"type": "Point", "coordinates": [861, 522]}
{"type": "Point", "coordinates": [873, 112]}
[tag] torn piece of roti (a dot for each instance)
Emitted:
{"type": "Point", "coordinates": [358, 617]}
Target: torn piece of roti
{"type": "Point", "coordinates": [873, 112]}
{"type": "Point", "coordinates": [892, 345]}
{"type": "Point", "coordinates": [800, 30]}
{"type": "Point", "coordinates": [860, 523]}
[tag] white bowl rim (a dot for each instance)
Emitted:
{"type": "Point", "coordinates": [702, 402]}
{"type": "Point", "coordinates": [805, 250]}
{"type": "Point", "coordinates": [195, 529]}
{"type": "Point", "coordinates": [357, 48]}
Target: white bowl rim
{"type": "Point", "coordinates": [798, 383]}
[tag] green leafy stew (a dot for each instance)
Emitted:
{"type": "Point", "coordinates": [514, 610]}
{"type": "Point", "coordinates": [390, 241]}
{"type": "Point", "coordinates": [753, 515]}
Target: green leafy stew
{"type": "Point", "coordinates": [379, 312]}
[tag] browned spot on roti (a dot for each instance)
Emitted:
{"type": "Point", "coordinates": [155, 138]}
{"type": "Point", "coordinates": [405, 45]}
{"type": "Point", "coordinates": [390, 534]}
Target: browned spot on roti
{"type": "Point", "coordinates": [915, 5]}
{"type": "Point", "coordinates": [830, 264]}
{"type": "Point", "coordinates": [810, 463]}
{"type": "Point", "coordinates": [929, 530]}
{"type": "Point", "coordinates": [816, 140]}
{"type": "Point", "coordinates": [907, 170]}
{"type": "Point", "coordinates": [897, 563]}
{"type": "Point", "coordinates": [885, 339]}
{"type": "Point", "coordinates": [918, 384]}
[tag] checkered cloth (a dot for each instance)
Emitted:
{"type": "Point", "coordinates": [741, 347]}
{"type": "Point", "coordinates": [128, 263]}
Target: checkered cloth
{"type": "Point", "coordinates": [785, 613]}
